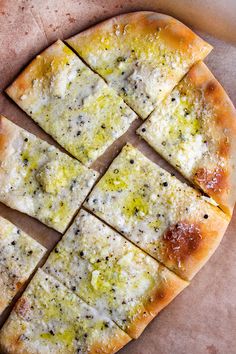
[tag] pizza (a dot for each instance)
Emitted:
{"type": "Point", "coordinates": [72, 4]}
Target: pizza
{"type": "Point", "coordinates": [71, 103]}
{"type": "Point", "coordinates": [111, 274]}
{"type": "Point", "coordinates": [19, 255]}
{"type": "Point", "coordinates": [161, 215]}
{"type": "Point", "coordinates": [49, 318]}
{"type": "Point", "coordinates": [140, 234]}
{"type": "Point", "coordinates": [38, 179]}
{"type": "Point", "coordinates": [142, 55]}
{"type": "Point", "coordinates": [195, 130]}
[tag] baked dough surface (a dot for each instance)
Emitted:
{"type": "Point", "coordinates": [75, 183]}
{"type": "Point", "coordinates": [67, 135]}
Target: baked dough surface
{"type": "Point", "coordinates": [38, 179]}
{"type": "Point", "coordinates": [142, 55]}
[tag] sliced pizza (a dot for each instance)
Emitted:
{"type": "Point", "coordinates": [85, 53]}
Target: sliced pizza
{"type": "Point", "coordinates": [111, 274]}
{"type": "Point", "coordinates": [195, 130]}
{"type": "Point", "coordinates": [71, 103]}
{"type": "Point", "coordinates": [163, 216]}
{"type": "Point", "coordinates": [38, 179]}
{"type": "Point", "coordinates": [142, 55]}
{"type": "Point", "coordinates": [19, 255]}
{"type": "Point", "coordinates": [49, 318]}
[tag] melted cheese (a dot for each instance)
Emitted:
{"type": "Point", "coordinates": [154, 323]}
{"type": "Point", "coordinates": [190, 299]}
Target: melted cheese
{"type": "Point", "coordinates": [138, 60]}
{"type": "Point", "coordinates": [19, 255]}
{"type": "Point", "coordinates": [50, 319]}
{"type": "Point", "coordinates": [180, 130]}
{"type": "Point", "coordinates": [71, 103]}
{"type": "Point", "coordinates": [106, 270]}
{"type": "Point", "coordinates": [142, 201]}
{"type": "Point", "coordinates": [39, 180]}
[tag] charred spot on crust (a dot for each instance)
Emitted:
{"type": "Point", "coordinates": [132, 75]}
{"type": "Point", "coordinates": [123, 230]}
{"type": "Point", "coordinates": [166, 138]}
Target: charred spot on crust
{"type": "Point", "coordinates": [212, 85]}
{"type": "Point", "coordinates": [213, 181]}
{"type": "Point", "coordinates": [181, 240]}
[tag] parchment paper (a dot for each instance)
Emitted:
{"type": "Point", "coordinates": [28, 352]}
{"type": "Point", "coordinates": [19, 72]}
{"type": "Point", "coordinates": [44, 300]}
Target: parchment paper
{"type": "Point", "coordinates": [203, 318]}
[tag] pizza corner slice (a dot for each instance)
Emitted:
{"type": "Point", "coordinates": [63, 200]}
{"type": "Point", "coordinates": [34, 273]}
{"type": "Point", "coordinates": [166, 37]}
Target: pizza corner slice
{"type": "Point", "coordinates": [38, 179]}
{"type": "Point", "coordinates": [142, 55]}
{"type": "Point", "coordinates": [71, 103]}
{"type": "Point", "coordinates": [111, 274]}
{"type": "Point", "coordinates": [163, 216]}
{"type": "Point", "coordinates": [49, 318]}
{"type": "Point", "coordinates": [19, 255]}
{"type": "Point", "coordinates": [195, 130]}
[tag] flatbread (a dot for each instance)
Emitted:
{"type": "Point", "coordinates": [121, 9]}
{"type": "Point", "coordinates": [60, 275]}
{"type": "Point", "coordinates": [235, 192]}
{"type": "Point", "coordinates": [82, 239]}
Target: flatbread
{"type": "Point", "coordinates": [142, 55]}
{"type": "Point", "coordinates": [71, 103]}
{"type": "Point", "coordinates": [163, 216]}
{"type": "Point", "coordinates": [38, 179]}
{"type": "Point", "coordinates": [19, 255]}
{"type": "Point", "coordinates": [49, 318]}
{"type": "Point", "coordinates": [195, 130]}
{"type": "Point", "coordinates": [111, 274]}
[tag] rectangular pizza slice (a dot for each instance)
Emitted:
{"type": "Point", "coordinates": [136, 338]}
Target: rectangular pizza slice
{"type": "Point", "coordinates": [71, 103]}
{"type": "Point", "coordinates": [113, 275]}
{"type": "Point", "coordinates": [163, 216]}
{"type": "Point", "coordinates": [195, 130]}
{"type": "Point", "coordinates": [38, 179]}
{"type": "Point", "coordinates": [50, 319]}
{"type": "Point", "coordinates": [19, 255]}
{"type": "Point", "coordinates": [142, 55]}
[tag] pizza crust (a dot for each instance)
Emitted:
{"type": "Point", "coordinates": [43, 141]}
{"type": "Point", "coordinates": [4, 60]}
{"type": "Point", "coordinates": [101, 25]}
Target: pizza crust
{"type": "Point", "coordinates": [142, 55]}
{"type": "Point", "coordinates": [163, 216]}
{"type": "Point", "coordinates": [195, 130]}
{"type": "Point", "coordinates": [71, 103]}
{"type": "Point", "coordinates": [44, 325]}
{"type": "Point", "coordinates": [38, 179]}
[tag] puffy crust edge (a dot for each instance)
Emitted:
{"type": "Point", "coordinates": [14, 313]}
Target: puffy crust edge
{"type": "Point", "coordinates": [212, 233]}
{"type": "Point", "coordinates": [225, 121]}
{"type": "Point", "coordinates": [7, 135]}
{"type": "Point", "coordinates": [175, 31]}
{"type": "Point", "coordinates": [169, 287]}
{"type": "Point", "coordinates": [23, 81]}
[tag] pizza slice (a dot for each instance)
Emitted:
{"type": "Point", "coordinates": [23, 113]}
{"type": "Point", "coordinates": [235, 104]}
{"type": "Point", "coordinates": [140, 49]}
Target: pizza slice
{"type": "Point", "coordinates": [195, 130]}
{"type": "Point", "coordinates": [49, 318]}
{"type": "Point", "coordinates": [19, 255]}
{"type": "Point", "coordinates": [38, 179]}
{"type": "Point", "coordinates": [163, 216]}
{"type": "Point", "coordinates": [111, 274]}
{"type": "Point", "coordinates": [142, 55]}
{"type": "Point", "coordinates": [71, 103]}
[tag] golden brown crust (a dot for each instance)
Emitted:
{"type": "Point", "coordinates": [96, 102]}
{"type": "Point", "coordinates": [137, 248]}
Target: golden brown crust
{"type": "Point", "coordinates": [219, 183]}
{"type": "Point", "coordinates": [57, 53]}
{"type": "Point", "coordinates": [112, 346]}
{"type": "Point", "coordinates": [7, 133]}
{"type": "Point", "coordinates": [10, 342]}
{"type": "Point", "coordinates": [175, 33]}
{"type": "Point", "coordinates": [170, 286]}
